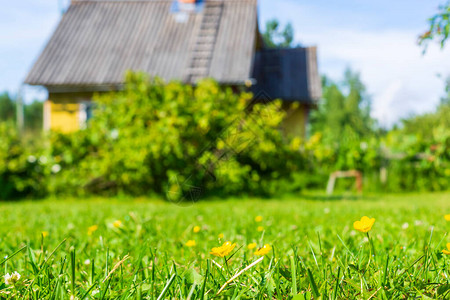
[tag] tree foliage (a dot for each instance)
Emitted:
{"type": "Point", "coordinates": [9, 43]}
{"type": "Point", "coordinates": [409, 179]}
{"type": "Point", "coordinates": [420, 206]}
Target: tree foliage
{"type": "Point", "coordinates": [344, 112]}
{"type": "Point", "coordinates": [7, 107]}
{"type": "Point", "coordinates": [275, 37]}
{"type": "Point", "coordinates": [439, 26]}
{"type": "Point", "coordinates": [33, 112]}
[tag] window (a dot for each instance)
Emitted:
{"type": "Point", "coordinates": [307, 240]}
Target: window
{"type": "Point", "coordinates": [86, 112]}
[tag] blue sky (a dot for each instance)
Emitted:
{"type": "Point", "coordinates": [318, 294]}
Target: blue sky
{"type": "Point", "coordinates": [375, 38]}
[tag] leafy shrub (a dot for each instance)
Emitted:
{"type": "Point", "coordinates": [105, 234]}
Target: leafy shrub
{"type": "Point", "coordinates": [22, 171]}
{"type": "Point", "coordinates": [176, 140]}
{"type": "Point", "coordinates": [412, 163]}
{"type": "Point", "coordinates": [419, 164]}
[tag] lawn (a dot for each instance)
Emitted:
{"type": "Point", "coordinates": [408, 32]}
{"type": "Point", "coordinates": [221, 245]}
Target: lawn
{"type": "Point", "coordinates": [136, 248]}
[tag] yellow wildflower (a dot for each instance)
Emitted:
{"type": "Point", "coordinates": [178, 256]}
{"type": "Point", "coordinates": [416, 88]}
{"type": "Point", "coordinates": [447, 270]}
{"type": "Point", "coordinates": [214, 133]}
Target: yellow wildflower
{"type": "Point", "coordinates": [223, 250]}
{"type": "Point", "coordinates": [264, 250]}
{"type": "Point", "coordinates": [190, 243]}
{"type": "Point", "coordinates": [258, 219]}
{"type": "Point", "coordinates": [92, 229]}
{"type": "Point", "coordinates": [447, 251]}
{"type": "Point", "coordinates": [447, 217]}
{"type": "Point", "coordinates": [221, 236]}
{"type": "Point", "coordinates": [251, 246]}
{"type": "Point", "coordinates": [260, 228]}
{"type": "Point", "coordinates": [365, 224]}
{"type": "Point", "coordinates": [196, 229]}
{"type": "Point", "coordinates": [44, 233]}
{"type": "Point", "coordinates": [117, 223]}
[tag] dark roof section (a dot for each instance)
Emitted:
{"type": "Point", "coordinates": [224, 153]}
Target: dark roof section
{"type": "Point", "coordinates": [288, 74]}
{"type": "Point", "coordinates": [98, 40]}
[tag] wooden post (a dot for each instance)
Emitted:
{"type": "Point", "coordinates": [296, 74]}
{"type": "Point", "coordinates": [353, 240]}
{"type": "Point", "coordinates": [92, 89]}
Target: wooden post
{"type": "Point", "coordinates": [19, 110]}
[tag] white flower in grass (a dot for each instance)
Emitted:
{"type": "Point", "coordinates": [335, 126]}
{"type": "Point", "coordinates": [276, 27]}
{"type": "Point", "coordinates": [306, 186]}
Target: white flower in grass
{"type": "Point", "coordinates": [95, 292]}
{"type": "Point", "coordinates": [87, 262]}
{"type": "Point", "coordinates": [114, 134]}
{"type": "Point", "coordinates": [12, 279]}
{"type": "Point", "coordinates": [43, 160]}
{"type": "Point", "coordinates": [31, 159]}
{"type": "Point", "coordinates": [418, 223]}
{"type": "Point", "coordinates": [405, 226]}
{"type": "Point", "coordinates": [56, 168]}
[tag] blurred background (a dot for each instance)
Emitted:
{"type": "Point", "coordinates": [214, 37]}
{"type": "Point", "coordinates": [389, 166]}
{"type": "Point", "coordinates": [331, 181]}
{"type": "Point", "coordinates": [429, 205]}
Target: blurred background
{"type": "Point", "coordinates": [195, 99]}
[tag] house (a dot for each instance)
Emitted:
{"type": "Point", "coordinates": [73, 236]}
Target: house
{"type": "Point", "coordinates": [97, 41]}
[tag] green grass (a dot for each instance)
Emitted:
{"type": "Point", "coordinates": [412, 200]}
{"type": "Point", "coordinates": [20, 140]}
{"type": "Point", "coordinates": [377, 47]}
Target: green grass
{"type": "Point", "coordinates": [316, 253]}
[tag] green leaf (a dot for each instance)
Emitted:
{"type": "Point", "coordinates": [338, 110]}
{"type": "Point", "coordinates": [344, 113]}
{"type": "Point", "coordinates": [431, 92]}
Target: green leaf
{"type": "Point", "coordinates": [193, 277]}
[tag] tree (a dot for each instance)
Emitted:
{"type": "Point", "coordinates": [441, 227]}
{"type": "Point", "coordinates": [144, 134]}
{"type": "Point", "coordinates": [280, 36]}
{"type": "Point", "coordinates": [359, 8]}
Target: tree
{"type": "Point", "coordinates": [7, 107]}
{"type": "Point", "coordinates": [275, 37]}
{"type": "Point", "coordinates": [33, 112]}
{"type": "Point", "coordinates": [439, 26]}
{"type": "Point", "coordinates": [33, 116]}
{"type": "Point", "coordinates": [343, 115]}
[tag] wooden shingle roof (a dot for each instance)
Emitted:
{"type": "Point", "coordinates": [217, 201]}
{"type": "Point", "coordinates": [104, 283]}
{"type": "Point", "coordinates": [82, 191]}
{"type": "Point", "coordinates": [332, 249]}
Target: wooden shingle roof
{"type": "Point", "coordinates": [97, 41]}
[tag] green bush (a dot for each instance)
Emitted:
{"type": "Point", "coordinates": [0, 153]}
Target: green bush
{"type": "Point", "coordinates": [417, 163]}
{"type": "Point", "coordinates": [175, 140]}
{"type": "Point", "coordinates": [22, 170]}
{"type": "Point", "coordinates": [412, 163]}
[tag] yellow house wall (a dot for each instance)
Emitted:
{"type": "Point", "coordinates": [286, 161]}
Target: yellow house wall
{"type": "Point", "coordinates": [64, 117]}
{"type": "Point", "coordinates": [296, 119]}
{"type": "Point", "coordinates": [63, 111]}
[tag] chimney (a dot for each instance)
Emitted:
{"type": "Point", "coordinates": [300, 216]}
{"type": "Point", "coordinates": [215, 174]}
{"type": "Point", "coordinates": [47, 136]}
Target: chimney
{"type": "Point", "coordinates": [187, 5]}
{"type": "Point", "coordinates": [181, 9]}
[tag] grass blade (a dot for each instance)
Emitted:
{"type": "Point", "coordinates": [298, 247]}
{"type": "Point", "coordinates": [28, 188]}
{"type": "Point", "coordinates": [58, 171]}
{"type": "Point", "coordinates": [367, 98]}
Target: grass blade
{"type": "Point", "coordinates": [12, 255]}
{"type": "Point", "coordinates": [313, 284]}
{"type": "Point", "coordinates": [166, 288]}
{"type": "Point", "coordinates": [294, 277]}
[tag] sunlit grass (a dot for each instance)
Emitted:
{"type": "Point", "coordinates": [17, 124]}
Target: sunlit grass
{"type": "Point", "coordinates": [148, 249]}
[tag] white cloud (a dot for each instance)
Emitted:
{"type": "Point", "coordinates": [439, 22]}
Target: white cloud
{"type": "Point", "coordinates": [401, 80]}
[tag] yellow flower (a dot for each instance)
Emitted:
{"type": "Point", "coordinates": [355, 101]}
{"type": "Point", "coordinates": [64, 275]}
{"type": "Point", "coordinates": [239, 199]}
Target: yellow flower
{"type": "Point", "coordinates": [117, 223]}
{"type": "Point", "coordinates": [447, 251]}
{"type": "Point", "coordinates": [92, 229]}
{"type": "Point", "coordinates": [447, 217]}
{"type": "Point", "coordinates": [260, 228]}
{"type": "Point", "coordinates": [223, 250]}
{"type": "Point", "coordinates": [190, 243]}
{"type": "Point", "coordinates": [364, 225]}
{"type": "Point", "coordinates": [251, 246]}
{"type": "Point", "coordinates": [264, 250]}
{"type": "Point", "coordinates": [221, 236]}
{"type": "Point", "coordinates": [196, 229]}
{"type": "Point", "coordinates": [258, 219]}
{"type": "Point", "coordinates": [44, 233]}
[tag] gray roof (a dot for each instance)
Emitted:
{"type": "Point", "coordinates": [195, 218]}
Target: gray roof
{"type": "Point", "coordinates": [97, 41]}
{"type": "Point", "coordinates": [288, 74]}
